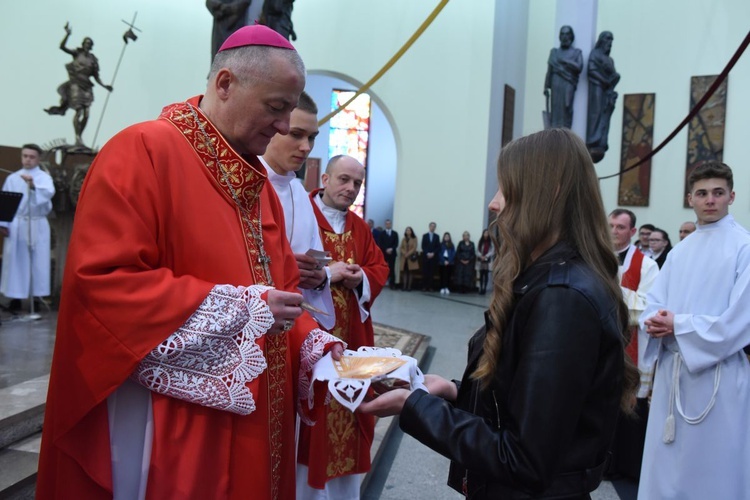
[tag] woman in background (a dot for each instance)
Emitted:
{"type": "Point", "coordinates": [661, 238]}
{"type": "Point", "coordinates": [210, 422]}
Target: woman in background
{"type": "Point", "coordinates": [485, 253]}
{"type": "Point", "coordinates": [660, 246]}
{"type": "Point", "coordinates": [466, 274]}
{"type": "Point", "coordinates": [409, 259]}
{"type": "Point", "coordinates": [535, 412]}
{"type": "Point", "coordinates": [446, 259]}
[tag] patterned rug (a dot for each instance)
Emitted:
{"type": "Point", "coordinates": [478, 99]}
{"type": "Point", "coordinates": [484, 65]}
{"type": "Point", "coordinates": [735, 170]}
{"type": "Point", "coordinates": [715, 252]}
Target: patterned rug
{"type": "Point", "coordinates": [409, 343]}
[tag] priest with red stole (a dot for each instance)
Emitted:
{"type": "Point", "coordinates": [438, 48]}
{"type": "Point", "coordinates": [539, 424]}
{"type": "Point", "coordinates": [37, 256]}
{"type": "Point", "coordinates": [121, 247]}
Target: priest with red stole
{"type": "Point", "coordinates": [181, 342]}
{"type": "Point", "coordinates": [335, 453]}
{"type": "Point", "coordinates": [637, 275]}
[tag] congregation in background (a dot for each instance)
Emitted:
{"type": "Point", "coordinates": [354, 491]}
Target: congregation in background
{"type": "Point", "coordinates": [465, 267]}
{"type": "Point", "coordinates": [462, 267]}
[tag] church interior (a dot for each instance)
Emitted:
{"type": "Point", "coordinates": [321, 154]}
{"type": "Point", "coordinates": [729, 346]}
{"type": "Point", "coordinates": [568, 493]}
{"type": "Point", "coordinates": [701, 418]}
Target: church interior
{"type": "Point", "coordinates": [454, 80]}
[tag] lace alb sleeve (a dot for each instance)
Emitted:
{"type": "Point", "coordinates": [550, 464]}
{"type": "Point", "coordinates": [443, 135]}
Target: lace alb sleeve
{"type": "Point", "coordinates": [210, 358]}
{"type": "Point", "coordinates": [310, 353]}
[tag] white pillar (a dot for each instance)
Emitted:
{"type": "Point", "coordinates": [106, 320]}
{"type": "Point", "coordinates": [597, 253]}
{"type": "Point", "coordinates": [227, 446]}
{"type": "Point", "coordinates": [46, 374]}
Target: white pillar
{"type": "Point", "coordinates": [581, 16]}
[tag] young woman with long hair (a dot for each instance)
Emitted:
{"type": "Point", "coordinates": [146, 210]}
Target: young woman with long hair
{"type": "Point", "coordinates": [535, 412]}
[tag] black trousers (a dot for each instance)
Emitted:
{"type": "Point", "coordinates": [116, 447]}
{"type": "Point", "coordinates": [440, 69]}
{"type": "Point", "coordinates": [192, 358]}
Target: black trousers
{"type": "Point", "coordinates": [428, 272]}
{"type": "Point", "coordinates": [445, 276]}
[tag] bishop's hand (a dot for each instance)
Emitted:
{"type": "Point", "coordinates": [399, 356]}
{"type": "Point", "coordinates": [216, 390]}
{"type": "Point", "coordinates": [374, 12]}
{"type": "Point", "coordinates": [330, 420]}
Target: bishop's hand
{"type": "Point", "coordinates": [285, 307]}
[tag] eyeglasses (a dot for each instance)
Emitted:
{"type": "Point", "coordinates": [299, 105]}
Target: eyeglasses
{"type": "Point", "coordinates": [655, 240]}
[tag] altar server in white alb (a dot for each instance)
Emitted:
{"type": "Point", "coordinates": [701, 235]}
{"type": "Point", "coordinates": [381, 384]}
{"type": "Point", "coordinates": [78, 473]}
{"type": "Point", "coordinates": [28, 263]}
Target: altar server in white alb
{"type": "Point", "coordinates": [284, 156]}
{"type": "Point", "coordinates": [27, 236]}
{"type": "Point", "coordinates": [698, 319]}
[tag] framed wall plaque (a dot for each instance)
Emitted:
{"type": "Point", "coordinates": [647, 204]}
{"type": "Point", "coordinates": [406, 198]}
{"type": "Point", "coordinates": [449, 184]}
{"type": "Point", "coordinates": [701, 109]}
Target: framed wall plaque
{"type": "Point", "coordinates": [637, 142]}
{"type": "Point", "coordinates": [706, 130]}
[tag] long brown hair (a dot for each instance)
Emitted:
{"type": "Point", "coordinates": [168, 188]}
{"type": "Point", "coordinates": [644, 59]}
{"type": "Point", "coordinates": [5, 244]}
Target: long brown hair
{"type": "Point", "coordinates": [551, 193]}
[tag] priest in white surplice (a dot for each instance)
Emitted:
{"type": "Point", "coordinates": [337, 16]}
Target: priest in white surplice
{"type": "Point", "coordinates": [698, 319]}
{"type": "Point", "coordinates": [27, 238]}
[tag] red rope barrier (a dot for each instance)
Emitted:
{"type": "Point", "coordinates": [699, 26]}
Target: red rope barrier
{"type": "Point", "coordinates": [696, 109]}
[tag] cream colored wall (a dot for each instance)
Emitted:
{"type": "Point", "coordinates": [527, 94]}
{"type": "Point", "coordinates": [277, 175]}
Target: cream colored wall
{"type": "Point", "coordinates": [168, 62]}
{"type": "Point", "coordinates": [440, 95]}
{"type": "Point", "coordinates": [437, 94]}
{"type": "Point", "coordinates": [657, 47]}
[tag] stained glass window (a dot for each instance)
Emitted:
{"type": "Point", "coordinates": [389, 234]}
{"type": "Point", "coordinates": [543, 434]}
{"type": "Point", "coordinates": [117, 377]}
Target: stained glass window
{"type": "Point", "coordinates": [350, 132]}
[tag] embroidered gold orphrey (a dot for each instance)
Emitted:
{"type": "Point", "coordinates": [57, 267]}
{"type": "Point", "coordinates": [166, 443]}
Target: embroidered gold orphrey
{"type": "Point", "coordinates": [242, 183]}
{"type": "Point", "coordinates": [341, 424]}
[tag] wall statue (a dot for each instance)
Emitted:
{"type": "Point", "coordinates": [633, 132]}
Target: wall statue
{"type": "Point", "coordinates": [78, 92]}
{"type": "Point", "coordinates": [277, 15]}
{"type": "Point", "coordinates": [229, 16]}
{"type": "Point", "coordinates": [563, 69]}
{"type": "Point", "coordinates": [602, 97]}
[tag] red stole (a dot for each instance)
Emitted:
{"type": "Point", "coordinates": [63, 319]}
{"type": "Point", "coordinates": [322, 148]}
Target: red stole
{"type": "Point", "coordinates": [242, 181]}
{"type": "Point", "coordinates": [339, 443]}
{"type": "Point", "coordinates": [631, 278]}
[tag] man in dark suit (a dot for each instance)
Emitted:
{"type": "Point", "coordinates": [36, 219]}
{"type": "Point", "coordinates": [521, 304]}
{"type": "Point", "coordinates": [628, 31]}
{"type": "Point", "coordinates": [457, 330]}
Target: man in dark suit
{"type": "Point", "coordinates": [430, 250]}
{"type": "Point", "coordinates": [388, 243]}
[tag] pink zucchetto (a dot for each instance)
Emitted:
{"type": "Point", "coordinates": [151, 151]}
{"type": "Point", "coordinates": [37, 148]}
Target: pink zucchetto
{"type": "Point", "coordinates": [255, 35]}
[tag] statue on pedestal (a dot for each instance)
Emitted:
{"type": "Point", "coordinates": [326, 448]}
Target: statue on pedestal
{"type": "Point", "coordinates": [78, 92]}
{"type": "Point", "coordinates": [563, 69]}
{"type": "Point", "coordinates": [602, 97]}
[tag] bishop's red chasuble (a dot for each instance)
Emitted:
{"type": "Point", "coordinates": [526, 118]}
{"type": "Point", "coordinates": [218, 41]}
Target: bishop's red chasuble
{"type": "Point", "coordinates": [339, 443]}
{"type": "Point", "coordinates": [159, 224]}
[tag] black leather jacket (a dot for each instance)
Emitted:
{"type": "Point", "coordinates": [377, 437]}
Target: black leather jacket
{"type": "Point", "coordinates": [544, 426]}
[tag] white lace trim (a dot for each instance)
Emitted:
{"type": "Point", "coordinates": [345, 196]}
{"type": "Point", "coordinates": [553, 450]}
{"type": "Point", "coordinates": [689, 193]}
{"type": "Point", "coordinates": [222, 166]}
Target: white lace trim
{"type": "Point", "coordinates": [310, 353]}
{"type": "Point", "coordinates": [350, 392]}
{"type": "Point", "coordinates": [210, 358]}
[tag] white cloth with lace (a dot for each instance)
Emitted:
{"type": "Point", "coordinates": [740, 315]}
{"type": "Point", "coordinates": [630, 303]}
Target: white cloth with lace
{"type": "Point", "coordinates": [207, 361]}
{"type": "Point", "coordinates": [350, 392]}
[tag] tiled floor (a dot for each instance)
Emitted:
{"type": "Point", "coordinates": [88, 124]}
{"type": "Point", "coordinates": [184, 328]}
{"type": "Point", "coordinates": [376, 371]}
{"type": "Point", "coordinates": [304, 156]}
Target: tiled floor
{"type": "Point", "coordinates": [25, 347]}
{"type": "Point", "coordinates": [408, 469]}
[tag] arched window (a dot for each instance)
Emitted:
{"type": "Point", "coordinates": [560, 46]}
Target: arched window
{"type": "Point", "coordinates": [350, 134]}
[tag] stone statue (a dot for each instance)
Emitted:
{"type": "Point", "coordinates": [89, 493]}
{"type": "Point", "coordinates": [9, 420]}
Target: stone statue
{"type": "Point", "coordinates": [563, 68]}
{"type": "Point", "coordinates": [229, 16]}
{"type": "Point", "coordinates": [277, 15]}
{"type": "Point", "coordinates": [602, 96]}
{"type": "Point", "coordinates": [78, 92]}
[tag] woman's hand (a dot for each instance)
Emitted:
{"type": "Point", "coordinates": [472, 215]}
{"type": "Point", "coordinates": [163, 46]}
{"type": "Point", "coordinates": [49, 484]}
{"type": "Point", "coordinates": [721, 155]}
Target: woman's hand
{"type": "Point", "coordinates": [439, 386]}
{"type": "Point", "coordinates": [387, 404]}
{"type": "Point", "coordinates": [392, 402]}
